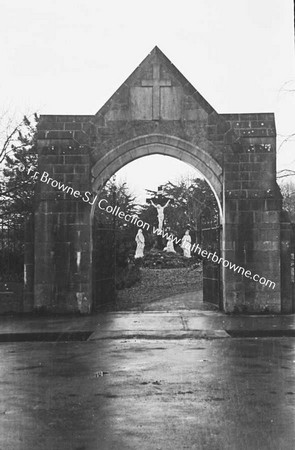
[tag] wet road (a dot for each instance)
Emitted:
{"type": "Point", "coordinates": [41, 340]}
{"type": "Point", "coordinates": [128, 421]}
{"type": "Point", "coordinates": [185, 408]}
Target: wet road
{"type": "Point", "coordinates": [148, 394]}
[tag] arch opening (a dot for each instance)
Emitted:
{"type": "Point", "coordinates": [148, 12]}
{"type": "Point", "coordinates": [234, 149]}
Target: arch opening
{"type": "Point", "coordinates": [115, 160]}
{"type": "Point", "coordinates": [129, 151]}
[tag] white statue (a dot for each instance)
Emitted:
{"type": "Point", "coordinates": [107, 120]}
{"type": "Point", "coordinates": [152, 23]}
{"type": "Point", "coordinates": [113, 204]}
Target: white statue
{"type": "Point", "coordinates": [160, 210]}
{"type": "Point", "coordinates": [139, 239]}
{"type": "Point", "coordinates": [170, 246]}
{"type": "Point", "coordinates": [186, 244]}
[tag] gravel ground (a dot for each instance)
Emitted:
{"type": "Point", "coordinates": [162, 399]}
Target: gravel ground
{"type": "Point", "coordinates": [157, 285]}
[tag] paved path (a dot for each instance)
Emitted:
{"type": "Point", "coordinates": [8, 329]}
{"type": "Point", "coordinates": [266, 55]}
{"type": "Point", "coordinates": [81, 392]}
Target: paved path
{"type": "Point", "coordinates": [179, 324]}
{"type": "Point", "coordinates": [188, 300]}
{"type": "Point", "coordinates": [150, 324]}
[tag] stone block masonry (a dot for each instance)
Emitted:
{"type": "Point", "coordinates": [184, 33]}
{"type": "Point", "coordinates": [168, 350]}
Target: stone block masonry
{"type": "Point", "coordinates": [253, 216]}
{"type": "Point", "coordinates": [158, 111]}
{"type": "Point", "coordinates": [62, 222]}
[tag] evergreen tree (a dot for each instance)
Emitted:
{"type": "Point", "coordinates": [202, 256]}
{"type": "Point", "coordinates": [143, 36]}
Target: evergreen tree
{"type": "Point", "coordinates": [18, 153]}
{"type": "Point", "coordinates": [288, 194]}
{"type": "Point", "coordinates": [114, 237]}
{"type": "Point", "coordinates": [116, 194]}
{"type": "Point", "coordinates": [16, 185]}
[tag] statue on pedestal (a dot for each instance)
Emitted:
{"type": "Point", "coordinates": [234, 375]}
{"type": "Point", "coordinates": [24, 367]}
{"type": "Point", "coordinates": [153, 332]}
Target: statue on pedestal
{"type": "Point", "coordinates": [140, 242]}
{"type": "Point", "coordinates": [186, 243]}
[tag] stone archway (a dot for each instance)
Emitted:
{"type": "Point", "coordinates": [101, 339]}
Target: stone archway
{"type": "Point", "coordinates": [115, 159]}
{"type": "Point", "coordinates": [152, 144]}
{"type": "Point", "coordinates": [156, 110]}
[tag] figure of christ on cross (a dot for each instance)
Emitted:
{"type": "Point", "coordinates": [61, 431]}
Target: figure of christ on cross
{"type": "Point", "coordinates": [160, 210]}
{"type": "Point", "coordinates": [156, 83]}
{"type": "Point", "coordinates": [158, 203]}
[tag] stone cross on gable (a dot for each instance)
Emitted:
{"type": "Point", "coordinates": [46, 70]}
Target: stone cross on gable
{"type": "Point", "coordinates": [156, 83]}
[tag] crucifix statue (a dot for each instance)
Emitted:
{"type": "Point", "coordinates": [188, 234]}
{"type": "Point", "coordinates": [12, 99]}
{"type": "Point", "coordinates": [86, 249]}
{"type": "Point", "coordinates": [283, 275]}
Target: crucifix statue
{"type": "Point", "coordinates": [160, 210]}
{"type": "Point", "coordinates": [160, 202]}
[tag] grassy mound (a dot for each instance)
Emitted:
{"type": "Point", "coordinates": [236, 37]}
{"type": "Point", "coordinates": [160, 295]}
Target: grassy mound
{"type": "Point", "coordinates": [158, 259]}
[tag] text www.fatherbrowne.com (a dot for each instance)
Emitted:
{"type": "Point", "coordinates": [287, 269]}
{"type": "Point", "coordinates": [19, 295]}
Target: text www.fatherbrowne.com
{"type": "Point", "coordinates": [103, 205]}
{"type": "Point", "coordinates": [216, 259]}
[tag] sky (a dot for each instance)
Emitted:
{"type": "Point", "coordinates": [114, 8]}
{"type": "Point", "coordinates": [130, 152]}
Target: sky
{"type": "Point", "coordinates": [70, 56]}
